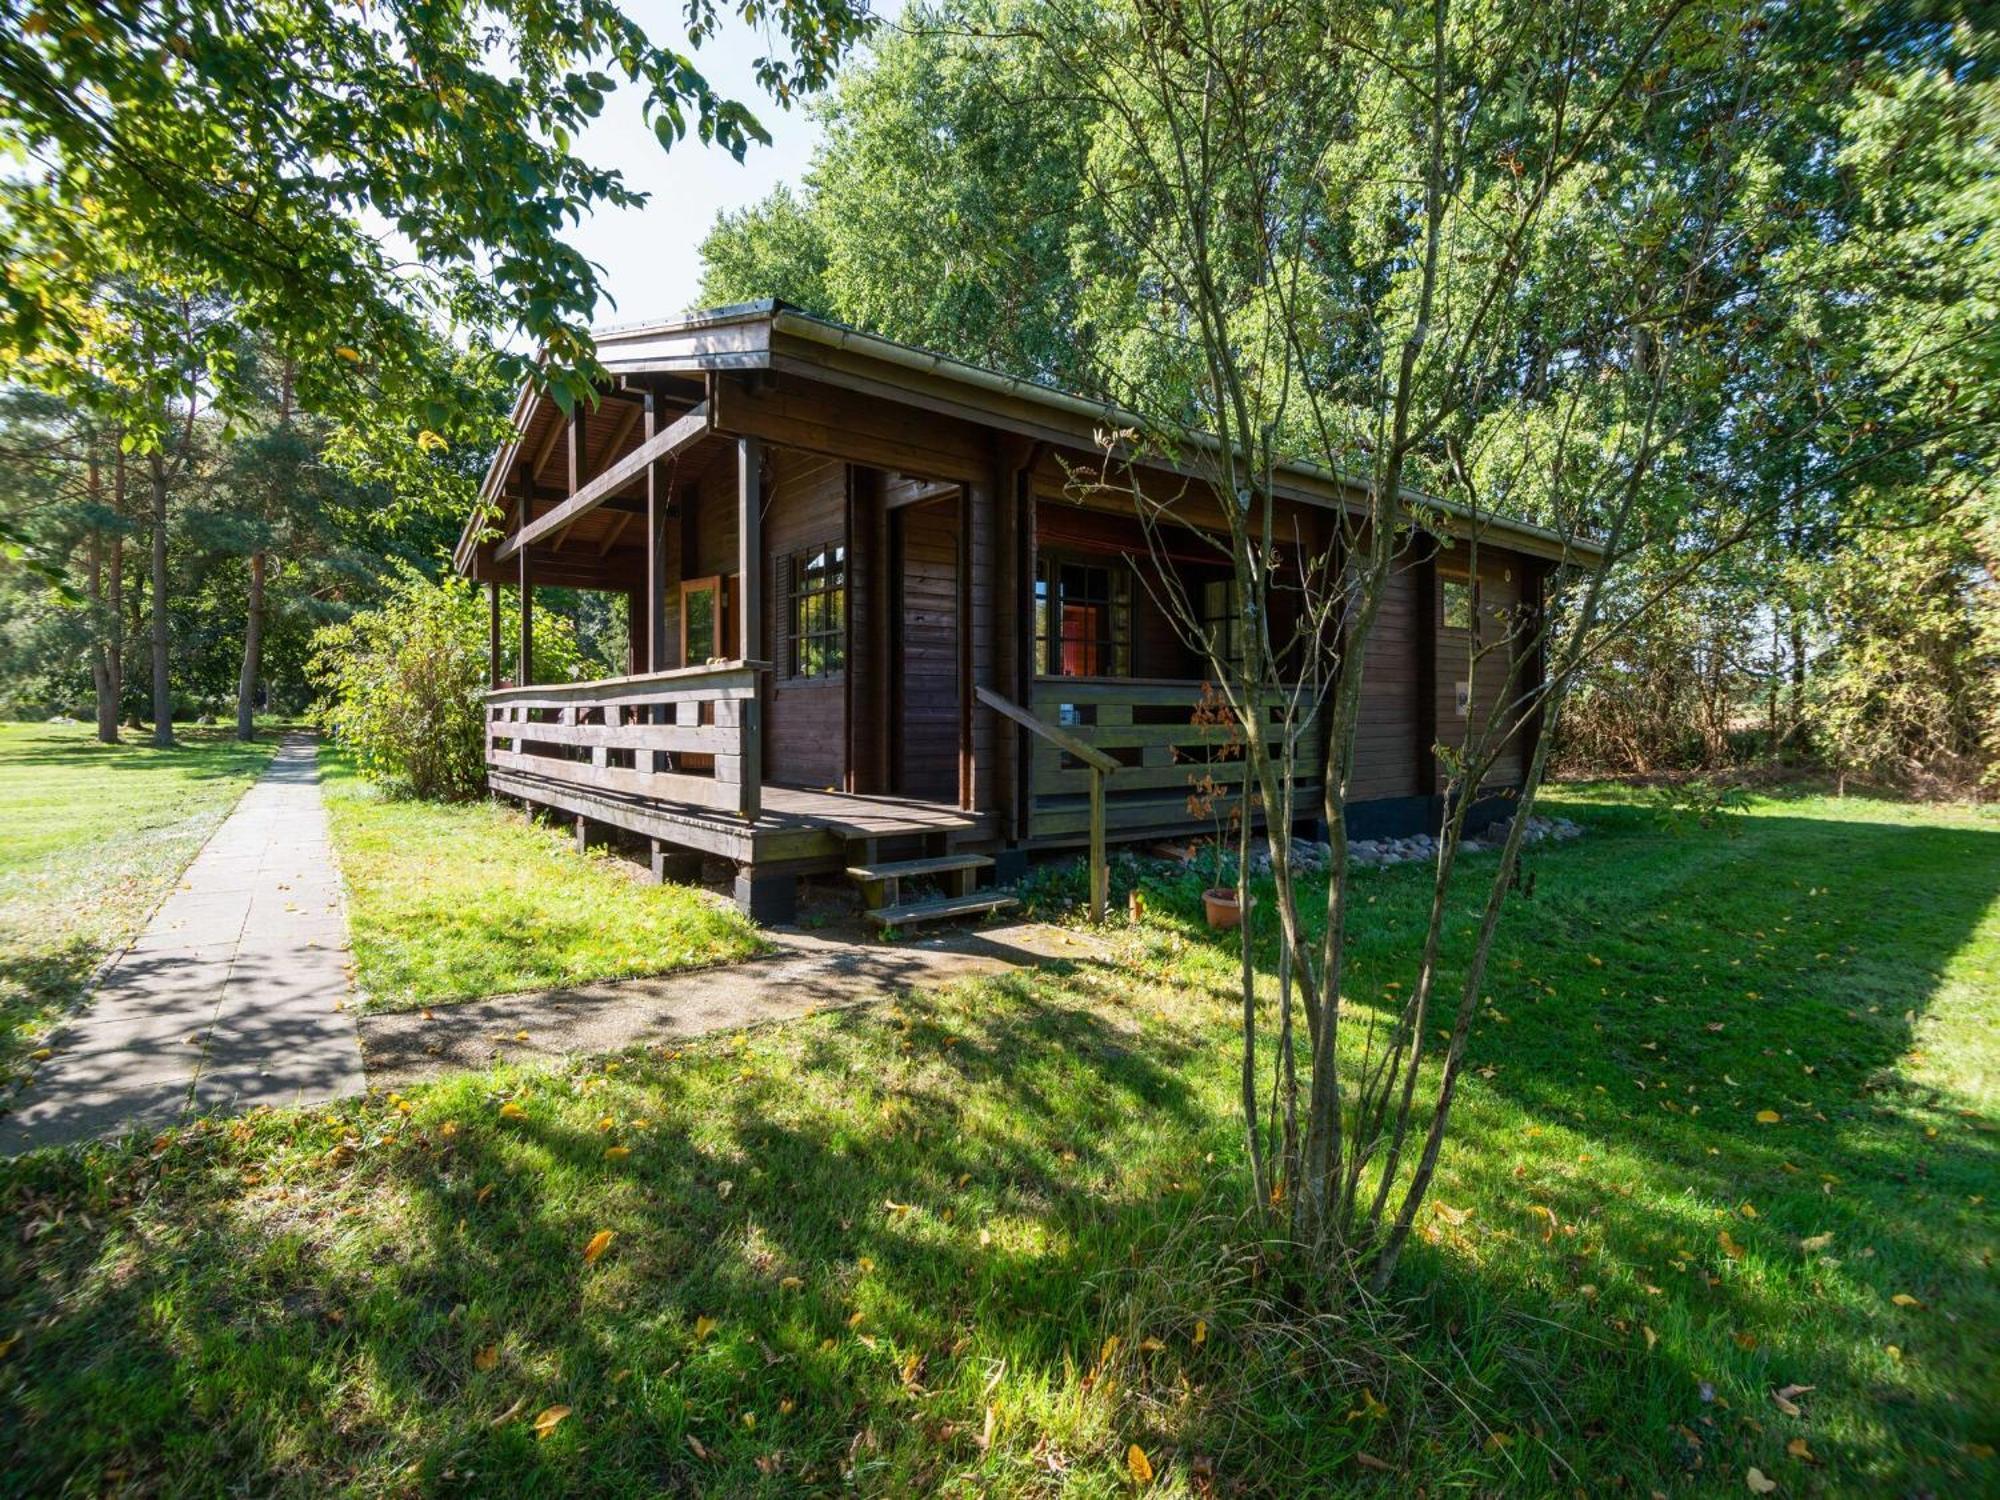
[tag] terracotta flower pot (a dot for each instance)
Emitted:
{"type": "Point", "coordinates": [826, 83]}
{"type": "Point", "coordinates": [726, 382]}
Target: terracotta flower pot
{"type": "Point", "coordinates": [1222, 907]}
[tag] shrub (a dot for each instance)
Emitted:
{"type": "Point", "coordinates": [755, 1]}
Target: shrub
{"type": "Point", "coordinates": [403, 684]}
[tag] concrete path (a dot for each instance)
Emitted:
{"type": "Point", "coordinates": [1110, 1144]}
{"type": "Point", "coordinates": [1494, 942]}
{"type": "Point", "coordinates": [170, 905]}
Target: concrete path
{"type": "Point", "coordinates": [234, 996]}
{"type": "Point", "coordinates": [807, 972]}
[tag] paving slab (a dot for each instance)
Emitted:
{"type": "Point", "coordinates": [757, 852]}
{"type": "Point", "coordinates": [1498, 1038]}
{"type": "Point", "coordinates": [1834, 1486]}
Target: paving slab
{"type": "Point", "coordinates": [236, 993]}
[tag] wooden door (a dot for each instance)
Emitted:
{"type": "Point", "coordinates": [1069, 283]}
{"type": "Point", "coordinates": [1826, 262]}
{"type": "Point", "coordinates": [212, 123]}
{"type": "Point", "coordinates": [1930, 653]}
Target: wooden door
{"type": "Point", "coordinates": [924, 708]}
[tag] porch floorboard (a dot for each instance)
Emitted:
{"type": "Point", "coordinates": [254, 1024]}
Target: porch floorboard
{"type": "Point", "coordinates": [797, 824]}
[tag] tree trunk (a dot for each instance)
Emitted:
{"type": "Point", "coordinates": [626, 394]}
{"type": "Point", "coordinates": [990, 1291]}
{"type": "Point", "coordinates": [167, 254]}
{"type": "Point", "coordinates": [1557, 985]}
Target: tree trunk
{"type": "Point", "coordinates": [163, 698]}
{"type": "Point", "coordinates": [253, 643]}
{"type": "Point", "coordinates": [114, 624]}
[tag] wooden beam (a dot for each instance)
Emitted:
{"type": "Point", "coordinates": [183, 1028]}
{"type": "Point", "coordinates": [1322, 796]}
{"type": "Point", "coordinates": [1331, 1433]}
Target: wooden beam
{"type": "Point", "coordinates": [524, 663]}
{"type": "Point", "coordinates": [493, 632]}
{"type": "Point", "coordinates": [968, 791]}
{"type": "Point", "coordinates": [656, 543]}
{"type": "Point", "coordinates": [582, 501]}
{"type": "Point", "coordinates": [750, 607]}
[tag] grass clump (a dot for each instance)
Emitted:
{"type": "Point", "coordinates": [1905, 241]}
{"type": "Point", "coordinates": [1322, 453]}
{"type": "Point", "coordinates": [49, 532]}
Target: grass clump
{"type": "Point", "coordinates": [450, 901]}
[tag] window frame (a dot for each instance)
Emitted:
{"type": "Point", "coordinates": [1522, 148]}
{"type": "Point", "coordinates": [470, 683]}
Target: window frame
{"type": "Point", "coordinates": [691, 589]}
{"type": "Point", "coordinates": [829, 593]}
{"type": "Point", "coordinates": [1112, 646]}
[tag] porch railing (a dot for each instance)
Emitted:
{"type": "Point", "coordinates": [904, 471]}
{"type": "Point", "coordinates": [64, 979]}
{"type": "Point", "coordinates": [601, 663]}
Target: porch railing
{"type": "Point", "coordinates": [1147, 726]}
{"type": "Point", "coordinates": [688, 736]}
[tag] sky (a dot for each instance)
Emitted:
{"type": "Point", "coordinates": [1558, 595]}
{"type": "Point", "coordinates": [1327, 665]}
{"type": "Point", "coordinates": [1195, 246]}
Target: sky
{"type": "Point", "coordinates": [650, 257]}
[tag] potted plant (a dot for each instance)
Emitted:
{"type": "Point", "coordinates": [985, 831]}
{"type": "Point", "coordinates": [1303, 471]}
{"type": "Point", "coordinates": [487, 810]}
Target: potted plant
{"type": "Point", "coordinates": [1208, 798]}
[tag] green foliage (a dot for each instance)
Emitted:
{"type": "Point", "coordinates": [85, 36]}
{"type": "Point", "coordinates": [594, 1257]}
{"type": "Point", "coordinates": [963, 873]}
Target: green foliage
{"type": "Point", "coordinates": [195, 149]}
{"type": "Point", "coordinates": [404, 684]}
{"type": "Point", "coordinates": [940, 208]}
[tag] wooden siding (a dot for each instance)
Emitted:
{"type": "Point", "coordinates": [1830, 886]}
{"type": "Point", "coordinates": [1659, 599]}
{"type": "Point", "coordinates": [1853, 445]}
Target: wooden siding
{"type": "Point", "coordinates": [1386, 745]}
{"type": "Point", "coordinates": [805, 720]}
{"type": "Point", "coordinates": [927, 649]}
{"type": "Point", "coordinates": [1489, 666]}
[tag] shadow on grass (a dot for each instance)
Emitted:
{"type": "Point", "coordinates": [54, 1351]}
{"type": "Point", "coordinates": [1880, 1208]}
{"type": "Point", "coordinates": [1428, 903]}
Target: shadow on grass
{"type": "Point", "coordinates": [897, 1217]}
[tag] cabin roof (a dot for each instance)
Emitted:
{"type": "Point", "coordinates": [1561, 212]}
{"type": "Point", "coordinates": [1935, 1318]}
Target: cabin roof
{"type": "Point", "coordinates": [774, 335]}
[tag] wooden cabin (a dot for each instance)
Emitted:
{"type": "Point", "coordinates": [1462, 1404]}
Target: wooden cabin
{"type": "Point", "coordinates": [874, 629]}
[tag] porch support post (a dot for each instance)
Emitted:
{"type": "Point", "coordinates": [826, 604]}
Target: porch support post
{"type": "Point", "coordinates": [750, 615]}
{"type": "Point", "coordinates": [967, 512]}
{"type": "Point", "coordinates": [524, 665]}
{"type": "Point", "coordinates": [656, 550]}
{"type": "Point", "coordinates": [493, 632]}
{"type": "Point", "coordinates": [578, 458]}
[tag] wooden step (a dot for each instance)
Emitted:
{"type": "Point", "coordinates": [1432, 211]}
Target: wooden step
{"type": "Point", "coordinates": [936, 911]}
{"type": "Point", "coordinates": [881, 883]}
{"type": "Point", "coordinates": [903, 869]}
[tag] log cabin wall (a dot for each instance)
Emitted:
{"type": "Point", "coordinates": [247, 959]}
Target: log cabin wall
{"type": "Point", "coordinates": [926, 648]}
{"type": "Point", "coordinates": [1477, 668]}
{"type": "Point", "coordinates": [805, 717]}
{"type": "Point", "coordinates": [1386, 744]}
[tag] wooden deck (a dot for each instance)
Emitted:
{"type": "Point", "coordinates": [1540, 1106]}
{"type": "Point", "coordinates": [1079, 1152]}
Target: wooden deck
{"type": "Point", "coordinates": [796, 825]}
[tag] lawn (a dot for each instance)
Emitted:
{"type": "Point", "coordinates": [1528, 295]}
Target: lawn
{"type": "Point", "coordinates": [987, 1241]}
{"type": "Point", "coordinates": [452, 902]}
{"type": "Point", "coordinates": [91, 837]}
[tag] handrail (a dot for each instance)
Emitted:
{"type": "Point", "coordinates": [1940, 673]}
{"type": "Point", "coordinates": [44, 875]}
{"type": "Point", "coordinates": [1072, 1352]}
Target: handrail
{"type": "Point", "coordinates": [1101, 766]}
{"type": "Point", "coordinates": [670, 678]}
{"type": "Point", "coordinates": [1090, 755]}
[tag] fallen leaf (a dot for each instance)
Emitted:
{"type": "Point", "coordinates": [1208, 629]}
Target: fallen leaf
{"type": "Point", "coordinates": [703, 1327]}
{"type": "Point", "coordinates": [1799, 1448]}
{"type": "Point", "coordinates": [599, 1243]}
{"type": "Point", "coordinates": [617, 1153]}
{"type": "Point", "coordinates": [1767, 1117]}
{"type": "Point", "coordinates": [1782, 1399]}
{"type": "Point", "coordinates": [694, 1443]}
{"type": "Point", "coordinates": [1652, 1338]}
{"type": "Point", "coordinates": [1370, 1461]}
{"type": "Point", "coordinates": [1200, 1333]}
{"type": "Point", "coordinates": [1138, 1465]}
{"type": "Point", "coordinates": [1759, 1485]}
{"type": "Point", "coordinates": [1816, 1242]}
{"type": "Point", "coordinates": [1729, 1247]}
{"type": "Point", "coordinates": [550, 1420]}
{"type": "Point", "coordinates": [1904, 1299]}
{"type": "Point", "coordinates": [511, 1111]}
{"type": "Point", "coordinates": [791, 1283]}
{"type": "Point", "coordinates": [487, 1358]}
{"type": "Point", "coordinates": [1495, 1441]}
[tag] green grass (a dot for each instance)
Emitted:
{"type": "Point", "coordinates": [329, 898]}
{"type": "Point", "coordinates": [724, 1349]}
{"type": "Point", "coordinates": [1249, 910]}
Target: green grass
{"type": "Point", "coordinates": [884, 1250]}
{"type": "Point", "coordinates": [451, 902]}
{"type": "Point", "coordinates": [91, 837]}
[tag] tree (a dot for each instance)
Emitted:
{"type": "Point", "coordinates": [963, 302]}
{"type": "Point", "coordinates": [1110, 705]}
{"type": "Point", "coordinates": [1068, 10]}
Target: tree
{"type": "Point", "coordinates": [239, 147]}
{"type": "Point", "coordinates": [1478, 258]}
{"type": "Point", "coordinates": [941, 205]}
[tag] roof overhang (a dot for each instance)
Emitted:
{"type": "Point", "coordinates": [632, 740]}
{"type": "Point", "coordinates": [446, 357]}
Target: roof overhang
{"type": "Point", "coordinates": [771, 335]}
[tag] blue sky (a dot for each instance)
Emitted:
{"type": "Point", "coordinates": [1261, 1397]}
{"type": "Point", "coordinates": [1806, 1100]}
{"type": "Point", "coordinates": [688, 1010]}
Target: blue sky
{"type": "Point", "coordinates": [648, 256]}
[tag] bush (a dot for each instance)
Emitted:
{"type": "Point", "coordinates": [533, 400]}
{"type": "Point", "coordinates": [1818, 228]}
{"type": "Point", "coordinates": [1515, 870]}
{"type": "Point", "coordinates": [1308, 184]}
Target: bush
{"type": "Point", "coordinates": [404, 684]}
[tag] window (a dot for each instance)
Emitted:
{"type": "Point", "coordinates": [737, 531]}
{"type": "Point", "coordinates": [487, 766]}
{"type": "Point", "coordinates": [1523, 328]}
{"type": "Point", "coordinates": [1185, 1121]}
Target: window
{"type": "Point", "coordinates": [1458, 604]}
{"type": "Point", "coordinates": [1083, 619]}
{"type": "Point", "coordinates": [1221, 622]}
{"type": "Point", "coordinates": [818, 583]}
